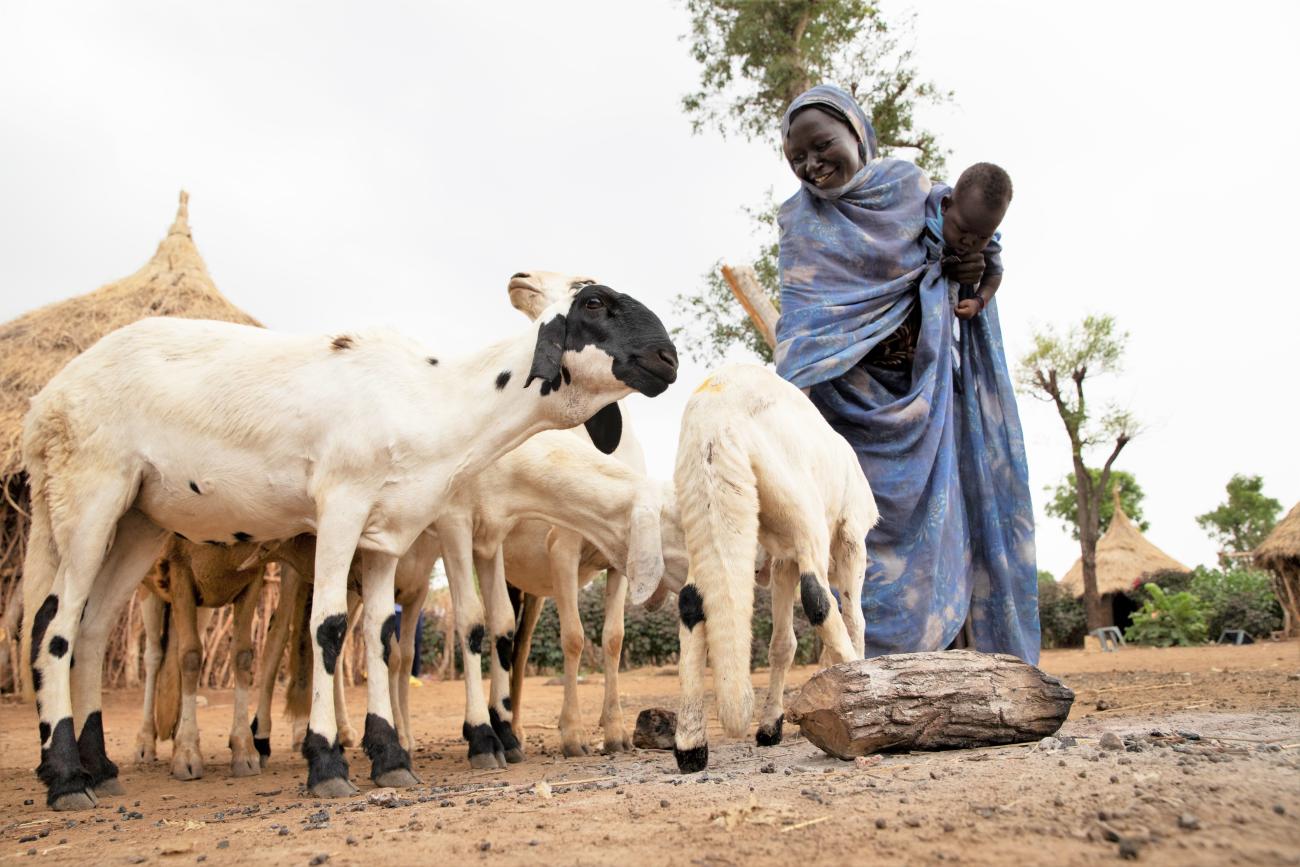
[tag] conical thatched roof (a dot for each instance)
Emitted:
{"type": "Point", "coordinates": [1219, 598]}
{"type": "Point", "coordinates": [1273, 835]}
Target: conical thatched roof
{"type": "Point", "coordinates": [1282, 543]}
{"type": "Point", "coordinates": [1124, 556]}
{"type": "Point", "coordinates": [37, 345]}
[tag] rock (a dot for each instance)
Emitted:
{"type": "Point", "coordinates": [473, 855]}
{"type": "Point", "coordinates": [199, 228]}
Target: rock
{"type": "Point", "coordinates": [867, 761]}
{"type": "Point", "coordinates": [1279, 809]}
{"type": "Point", "coordinates": [135, 859]}
{"type": "Point", "coordinates": [1129, 849]}
{"type": "Point", "coordinates": [1191, 736]}
{"type": "Point", "coordinates": [318, 858]}
{"type": "Point", "coordinates": [383, 798]}
{"type": "Point", "coordinates": [1111, 741]}
{"type": "Point", "coordinates": [1103, 704]}
{"type": "Point", "coordinates": [1188, 822]}
{"type": "Point", "coordinates": [656, 729]}
{"type": "Point", "coordinates": [880, 823]}
{"type": "Point", "coordinates": [1049, 743]}
{"type": "Point", "coordinates": [485, 845]}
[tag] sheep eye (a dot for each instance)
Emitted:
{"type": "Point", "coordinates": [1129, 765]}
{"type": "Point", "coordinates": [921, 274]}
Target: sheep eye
{"type": "Point", "coordinates": [594, 304]}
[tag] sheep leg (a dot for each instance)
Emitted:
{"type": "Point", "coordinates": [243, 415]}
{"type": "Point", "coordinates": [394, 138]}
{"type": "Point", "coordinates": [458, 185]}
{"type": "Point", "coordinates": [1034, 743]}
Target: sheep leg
{"type": "Point", "coordinates": [339, 527]}
{"type": "Point", "coordinates": [617, 740]}
{"type": "Point", "coordinates": [243, 754]}
{"type": "Point", "coordinates": [848, 571]}
{"type": "Point", "coordinates": [346, 733]}
{"type": "Point", "coordinates": [564, 551]}
{"type": "Point", "coordinates": [146, 742]}
{"type": "Point", "coordinates": [784, 581]}
{"type": "Point", "coordinates": [501, 621]}
{"type": "Point", "coordinates": [411, 605]}
{"type": "Point", "coordinates": [691, 747]}
{"type": "Point", "coordinates": [187, 757]}
{"type": "Point", "coordinates": [82, 538]}
{"type": "Point", "coordinates": [137, 544]}
{"type": "Point", "coordinates": [528, 617]}
{"type": "Point", "coordinates": [485, 748]}
{"type": "Point", "coordinates": [390, 764]}
{"type": "Point", "coordinates": [277, 636]}
{"type": "Point", "coordinates": [815, 595]}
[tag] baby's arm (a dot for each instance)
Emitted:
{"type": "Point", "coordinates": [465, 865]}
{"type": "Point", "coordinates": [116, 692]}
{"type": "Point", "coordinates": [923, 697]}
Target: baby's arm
{"type": "Point", "coordinates": [969, 308]}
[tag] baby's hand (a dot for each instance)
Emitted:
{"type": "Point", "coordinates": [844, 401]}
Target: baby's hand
{"type": "Point", "coordinates": [966, 270]}
{"type": "Point", "coordinates": [968, 308]}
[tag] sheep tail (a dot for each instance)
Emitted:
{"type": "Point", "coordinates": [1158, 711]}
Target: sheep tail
{"type": "Point", "coordinates": [297, 695]}
{"type": "Point", "coordinates": [167, 685]}
{"type": "Point", "coordinates": [718, 500]}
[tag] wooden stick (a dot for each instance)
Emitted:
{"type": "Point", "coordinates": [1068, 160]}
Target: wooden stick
{"type": "Point", "coordinates": [749, 292]}
{"type": "Point", "coordinates": [804, 824]}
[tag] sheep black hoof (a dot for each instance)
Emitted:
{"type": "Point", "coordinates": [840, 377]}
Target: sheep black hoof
{"type": "Point", "coordinates": [335, 787]}
{"type": "Point", "coordinates": [83, 800]}
{"type": "Point", "coordinates": [512, 751]}
{"type": "Point", "coordinates": [111, 786]}
{"type": "Point", "coordinates": [514, 756]}
{"type": "Point", "coordinates": [398, 778]}
{"type": "Point", "coordinates": [770, 735]}
{"type": "Point", "coordinates": [485, 749]}
{"type": "Point", "coordinates": [693, 760]}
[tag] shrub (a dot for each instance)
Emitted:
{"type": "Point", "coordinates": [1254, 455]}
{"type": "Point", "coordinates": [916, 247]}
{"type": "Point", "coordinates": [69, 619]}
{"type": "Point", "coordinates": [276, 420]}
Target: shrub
{"type": "Point", "coordinates": [1237, 599]}
{"type": "Point", "coordinates": [1061, 617]}
{"type": "Point", "coordinates": [1168, 619]}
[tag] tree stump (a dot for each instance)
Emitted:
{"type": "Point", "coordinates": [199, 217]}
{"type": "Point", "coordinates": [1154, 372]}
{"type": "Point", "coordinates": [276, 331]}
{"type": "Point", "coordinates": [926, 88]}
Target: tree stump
{"type": "Point", "coordinates": [955, 699]}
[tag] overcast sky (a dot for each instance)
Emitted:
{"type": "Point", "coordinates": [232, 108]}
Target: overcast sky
{"type": "Point", "coordinates": [395, 163]}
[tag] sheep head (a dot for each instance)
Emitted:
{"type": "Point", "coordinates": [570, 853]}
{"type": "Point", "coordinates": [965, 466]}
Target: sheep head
{"type": "Point", "coordinates": [531, 292]}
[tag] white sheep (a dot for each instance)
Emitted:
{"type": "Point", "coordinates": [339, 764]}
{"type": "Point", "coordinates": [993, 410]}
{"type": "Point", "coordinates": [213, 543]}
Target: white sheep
{"type": "Point", "coordinates": [544, 561]}
{"type": "Point", "coordinates": [226, 433]}
{"type": "Point", "coordinates": [757, 465]}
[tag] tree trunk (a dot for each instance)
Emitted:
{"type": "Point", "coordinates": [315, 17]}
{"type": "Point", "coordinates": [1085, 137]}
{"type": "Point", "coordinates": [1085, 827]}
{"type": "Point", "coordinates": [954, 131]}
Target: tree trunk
{"type": "Point", "coordinates": [955, 699]}
{"type": "Point", "coordinates": [1089, 523]}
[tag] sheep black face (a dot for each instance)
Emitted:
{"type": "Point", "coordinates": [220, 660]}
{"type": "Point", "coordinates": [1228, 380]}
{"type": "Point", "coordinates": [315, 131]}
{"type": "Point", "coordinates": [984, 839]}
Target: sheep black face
{"type": "Point", "coordinates": [605, 327]}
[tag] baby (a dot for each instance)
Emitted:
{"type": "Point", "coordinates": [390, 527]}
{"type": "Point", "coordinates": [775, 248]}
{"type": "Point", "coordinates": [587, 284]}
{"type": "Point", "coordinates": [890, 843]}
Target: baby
{"type": "Point", "coordinates": [967, 217]}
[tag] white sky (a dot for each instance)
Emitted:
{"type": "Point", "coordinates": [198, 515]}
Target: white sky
{"type": "Point", "coordinates": [395, 163]}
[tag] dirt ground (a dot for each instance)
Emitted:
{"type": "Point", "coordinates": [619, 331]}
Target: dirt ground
{"type": "Point", "coordinates": [1210, 774]}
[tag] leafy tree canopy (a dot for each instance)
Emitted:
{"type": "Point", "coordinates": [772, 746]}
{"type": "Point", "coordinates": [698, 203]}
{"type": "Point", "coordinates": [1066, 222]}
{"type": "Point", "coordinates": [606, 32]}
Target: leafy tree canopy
{"type": "Point", "coordinates": [1241, 522]}
{"type": "Point", "coordinates": [1064, 502]}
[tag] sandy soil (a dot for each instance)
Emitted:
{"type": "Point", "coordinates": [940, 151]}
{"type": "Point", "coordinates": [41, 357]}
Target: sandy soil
{"type": "Point", "coordinates": [1218, 784]}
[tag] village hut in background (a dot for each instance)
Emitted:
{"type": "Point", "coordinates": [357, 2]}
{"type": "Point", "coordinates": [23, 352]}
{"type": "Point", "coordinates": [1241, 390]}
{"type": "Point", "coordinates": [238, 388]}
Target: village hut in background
{"type": "Point", "coordinates": [1280, 554]}
{"type": "Point", "coordinates": [1125, 559]}
{"type": "Point", "coordinates": [36, 345]}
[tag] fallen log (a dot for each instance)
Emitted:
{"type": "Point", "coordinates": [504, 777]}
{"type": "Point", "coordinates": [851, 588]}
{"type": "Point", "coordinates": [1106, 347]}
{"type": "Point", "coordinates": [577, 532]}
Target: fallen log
{"type": "Point", "coordinates": [954, 699]}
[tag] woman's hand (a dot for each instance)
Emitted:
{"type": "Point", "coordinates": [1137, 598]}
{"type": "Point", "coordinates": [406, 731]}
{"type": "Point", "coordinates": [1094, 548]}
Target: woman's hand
{"type": "Point", "coordinates": [966, 270]}
{"type": "Point", "coordinates": [968, 308]}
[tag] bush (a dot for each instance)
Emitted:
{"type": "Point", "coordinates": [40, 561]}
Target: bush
{"type": "Point", "coordinates": [1061, 617]}
{"type": "Point", "coordinates": [1167, 619]}
{"type": "Point", "coordinates": [1237, 599]}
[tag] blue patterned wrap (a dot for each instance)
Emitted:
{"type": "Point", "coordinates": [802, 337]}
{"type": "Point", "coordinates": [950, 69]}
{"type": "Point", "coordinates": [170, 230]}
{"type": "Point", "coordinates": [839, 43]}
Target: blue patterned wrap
{"type": "Point", "coordinates": [946, 457]}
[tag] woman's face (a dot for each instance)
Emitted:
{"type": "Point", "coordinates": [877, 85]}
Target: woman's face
{"type": "Point", "coordinates": [822, 149]}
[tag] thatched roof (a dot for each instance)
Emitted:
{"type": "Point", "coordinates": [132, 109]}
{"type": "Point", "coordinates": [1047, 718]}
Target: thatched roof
{"type": "Point", "coordinates": [1124, 557]}
{"type": "Point", "coordinates": [37, 345]}
{"type": "Point", "coordinates": [1282, 543]}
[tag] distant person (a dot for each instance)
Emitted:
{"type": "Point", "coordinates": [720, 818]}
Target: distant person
{"type": "Point", "coordinates": [888, 323]}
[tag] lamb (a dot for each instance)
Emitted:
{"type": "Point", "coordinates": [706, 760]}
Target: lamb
{"type": "Point", "coordinates": [226, 433]}
{"type": "Point", "coordinates": [561, 566]}
{"type": "Point", "coordinates": [757, 465]}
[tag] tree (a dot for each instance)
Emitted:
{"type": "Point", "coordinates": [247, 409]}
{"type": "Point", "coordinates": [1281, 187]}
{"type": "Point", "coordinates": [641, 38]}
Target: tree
{"type": "Point", "coordinates": [1241, 523]}
{"type": "Point", "coordinates": [1056, 370]}
{"type": "Point", "coordinates": [1064, 504]}
{"type": "Point", "coordinates": [755, 58]}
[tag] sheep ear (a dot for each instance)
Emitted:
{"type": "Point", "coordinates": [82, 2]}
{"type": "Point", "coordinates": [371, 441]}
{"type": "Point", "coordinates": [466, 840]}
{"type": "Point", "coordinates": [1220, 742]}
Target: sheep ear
{"type": "Point", "coordinates": [645, 556]}
{"type": "Point", "coordinates": [548, 356]}
{"type": "Point", "coordinates": [606, 428]}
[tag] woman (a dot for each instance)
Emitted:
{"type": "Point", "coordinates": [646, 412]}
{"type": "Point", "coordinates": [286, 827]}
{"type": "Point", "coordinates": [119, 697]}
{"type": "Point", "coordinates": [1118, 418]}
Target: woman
{"type": "Point", "coordinates": [866, 330]}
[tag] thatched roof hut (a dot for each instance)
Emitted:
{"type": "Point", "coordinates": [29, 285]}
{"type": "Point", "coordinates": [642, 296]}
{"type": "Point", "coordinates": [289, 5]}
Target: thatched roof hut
{"type": "Point", "coordinates": [36, 345]}
{"type": "Point", "coordinates": [1280, 554]}
{"type": "Point", "coordinates": [1124, 559]}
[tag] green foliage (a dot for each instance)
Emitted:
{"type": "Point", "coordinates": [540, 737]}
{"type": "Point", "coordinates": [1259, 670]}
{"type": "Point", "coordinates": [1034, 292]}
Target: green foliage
{"type": "Point", "coordinates": [713, 322]}
{"type": "Point", "coordinates": [1064, 505]}
{"type": "Point", "coordinates": [1241, 523]}
{"type": "Point", "coordinates": [756, 57]}
{"type": "Point", "coordinates": [1057, 366]}
{"type": "Point", "coordinates": [1060, 616]}
{"type": "Point", "coordinates": [1168, 619]}
{"type": "Point", "coordinates": [1237, 599]}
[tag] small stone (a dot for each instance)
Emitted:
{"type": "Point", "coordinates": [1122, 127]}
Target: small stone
{"type": "Point", "coordinates": [28, 802]}
{"type": "Point", "coordinates": [1049, 743]}
{"type": "Point", "coordinates": [769, 768]}
{"type": "Point", "coordinates": [1188, 822]}
{"type": "Point", "coordinates": [949, 827]}
{"type": "Point", "coordinates": [223, 844]}
{"type": "Point", "coordinates": [485, 845]}
{"type": "Point", "coordinates": [1111, 741]}
{"type": "Point", "coordinates": [383, 798]}
{"type": "Point", "coordinates": [1058, 801]}
{"type": "Point", "coordinates": [880, 822]}
{"type": "Point", "coordinates": [318, 858]}
{"type": "Point", "coordinates": [134, 859]}
{"type": "Point", "coordinates": [1279, 809]}
{"type": "Point", "coordinates": [1129, 849]}
{"type": "Point", "coordinates": [1103, 704]}
{"type": "Point", "coordinates": [663, 802]}
{"type": "Point", "coordinates": [283, 832]}
{"type": "Point", "coordinates": [656, 729]}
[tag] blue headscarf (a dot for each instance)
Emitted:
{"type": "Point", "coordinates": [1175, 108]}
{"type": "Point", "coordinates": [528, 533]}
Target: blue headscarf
{"type": "Point", "coordinates": [945, 456]}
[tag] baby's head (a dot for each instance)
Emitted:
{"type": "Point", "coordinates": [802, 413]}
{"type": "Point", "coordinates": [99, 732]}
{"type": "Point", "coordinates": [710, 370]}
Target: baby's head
{"type": "Point", "coordinates": [822, 148]}
{"type": "Point", "coordinates": [974, 209]}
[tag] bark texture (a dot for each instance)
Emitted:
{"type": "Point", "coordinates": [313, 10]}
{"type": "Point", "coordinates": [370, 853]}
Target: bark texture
{"type": "Point", "coordinates": [955, 699]}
